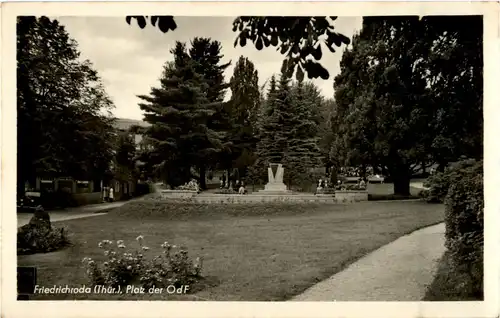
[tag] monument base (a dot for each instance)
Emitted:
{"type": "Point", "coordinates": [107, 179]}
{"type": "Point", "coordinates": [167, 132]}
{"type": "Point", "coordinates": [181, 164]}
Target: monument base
{"type": "Point", "coordinates": [275, 187]}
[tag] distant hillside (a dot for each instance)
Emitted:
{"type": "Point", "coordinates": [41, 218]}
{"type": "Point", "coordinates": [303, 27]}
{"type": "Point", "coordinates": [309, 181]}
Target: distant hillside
{"type": "Point", "coordinates": [125, 123]}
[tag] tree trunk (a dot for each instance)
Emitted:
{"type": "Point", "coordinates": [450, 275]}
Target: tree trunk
{"type": "Point", "coordinates": [441, 166]}
{"type": "Point", "coordinates": [203, 178]}
{"type": "Point", "coordinates": [401, 179]}
{"type": "Point", "coordinates": [424, 169]}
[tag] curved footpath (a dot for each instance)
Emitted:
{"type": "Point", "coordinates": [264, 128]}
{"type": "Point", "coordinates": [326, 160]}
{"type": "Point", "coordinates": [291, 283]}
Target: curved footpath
{"type": "Point", "coordinates": [398, 271]}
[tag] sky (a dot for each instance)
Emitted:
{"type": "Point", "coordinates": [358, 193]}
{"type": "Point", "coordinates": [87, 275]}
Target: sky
{"type": "Point", "coordinates": [130, 60]}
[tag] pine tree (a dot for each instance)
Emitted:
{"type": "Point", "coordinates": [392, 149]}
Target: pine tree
{"type": "Point", "coordinates": [265, 134]}
{"type": "Point", "coordinates": [303, 153]}
{"type": "Point", "coordinates": [245, 106]}
{"type": "Point", "coordinates": [179, 112]}
{"type": "Point", "coordinates": [206, 56]}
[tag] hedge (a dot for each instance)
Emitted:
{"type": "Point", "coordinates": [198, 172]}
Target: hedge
{"type": "Point", "coordinates": [439, 183]}
{"type": "Point", "coordinates": [464, 225]}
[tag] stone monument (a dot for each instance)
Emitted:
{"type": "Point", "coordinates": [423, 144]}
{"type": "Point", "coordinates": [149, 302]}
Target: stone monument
{"type": "Point", "coordinates": [275, 175]}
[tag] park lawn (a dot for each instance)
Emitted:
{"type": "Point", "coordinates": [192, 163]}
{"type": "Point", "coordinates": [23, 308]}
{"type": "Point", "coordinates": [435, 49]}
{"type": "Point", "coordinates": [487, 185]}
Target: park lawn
{"type": "Point", "coordinates": [251, 252]}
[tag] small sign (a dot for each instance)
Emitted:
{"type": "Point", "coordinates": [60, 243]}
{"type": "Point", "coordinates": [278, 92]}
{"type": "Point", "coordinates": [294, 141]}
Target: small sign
{"type": "Point", "coordinates": [33, 194]}
{"type": "Point", "coordinates": [46, 181]}
{"type": "Point", "coordinates": [26, 280]}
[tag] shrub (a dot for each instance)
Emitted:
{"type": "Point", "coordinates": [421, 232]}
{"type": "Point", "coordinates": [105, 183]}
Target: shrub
{"type": "Point", "coordinates": [439, 183]}
{"type": "Point", "coordinates": [464, 225]}
{"type": "Point", "coordinates": [172, 267]}
{"type": "Point", "coordinates": [39, 236]}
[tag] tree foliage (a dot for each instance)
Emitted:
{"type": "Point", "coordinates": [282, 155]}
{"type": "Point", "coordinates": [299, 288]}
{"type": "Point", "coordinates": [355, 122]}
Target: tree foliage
{"type": "Point", "coordinates": [244, 110]}
{"type": "Point", "coordinates": [64, 124]}
{"type": "Point", "coordinates": [184, 131]}
{"type": "Point", "coordinates": [288, 131]}
{"type": "Point", "coordinates": [402, 93]}
{"type": "Point", "coordinates": [124, 167]}
{"type": "Point", "coordinates": [300, 39]}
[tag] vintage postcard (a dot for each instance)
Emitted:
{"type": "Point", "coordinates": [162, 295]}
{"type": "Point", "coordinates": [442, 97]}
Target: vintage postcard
{"type": "Point", "coordinates": [232, 159]}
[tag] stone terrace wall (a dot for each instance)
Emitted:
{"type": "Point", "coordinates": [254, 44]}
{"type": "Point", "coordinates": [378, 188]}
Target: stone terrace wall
{"type": "Point", "coordinates": [177, 194]}
{"type": "Point", "coordinates": [351, 196]}
{"type": "Point", "coordinates": [255, 198]}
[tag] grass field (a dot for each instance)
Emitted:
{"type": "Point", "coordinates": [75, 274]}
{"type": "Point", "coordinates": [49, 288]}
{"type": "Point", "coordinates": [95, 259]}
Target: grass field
{"type": "Point", "coordinates": [251, 253]}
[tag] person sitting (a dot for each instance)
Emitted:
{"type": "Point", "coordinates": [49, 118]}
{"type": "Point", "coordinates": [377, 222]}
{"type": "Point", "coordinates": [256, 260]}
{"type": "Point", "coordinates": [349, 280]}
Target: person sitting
{"type": "Point", "coordinates": [242, 189]}
{"type": "Point", "coordinates": [362, 183]}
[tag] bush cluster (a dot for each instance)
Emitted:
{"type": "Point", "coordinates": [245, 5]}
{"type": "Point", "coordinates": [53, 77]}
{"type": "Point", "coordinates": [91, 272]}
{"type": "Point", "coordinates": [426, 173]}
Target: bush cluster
{"type": "Point", "coordinates": [439, 183]}
{"type": "Point", "coordinates": [39, 236]}
{"type": "Point", "coordinates": [465, 225]}
{"type": "Point", "coordinates": [121, 267]}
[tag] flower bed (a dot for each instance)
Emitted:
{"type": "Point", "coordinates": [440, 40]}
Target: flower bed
{"type": "Point", "coordinates": [172, 267]}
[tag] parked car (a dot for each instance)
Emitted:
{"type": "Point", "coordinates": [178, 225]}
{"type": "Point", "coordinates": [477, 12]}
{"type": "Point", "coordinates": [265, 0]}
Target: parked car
{"type": "Point", "coordinates": [29, 202]}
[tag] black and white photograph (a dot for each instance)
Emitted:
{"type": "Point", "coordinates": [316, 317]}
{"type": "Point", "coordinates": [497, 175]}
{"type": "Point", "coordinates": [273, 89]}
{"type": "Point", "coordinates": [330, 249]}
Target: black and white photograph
{"type": "Point", "coordinates": [249, 158]}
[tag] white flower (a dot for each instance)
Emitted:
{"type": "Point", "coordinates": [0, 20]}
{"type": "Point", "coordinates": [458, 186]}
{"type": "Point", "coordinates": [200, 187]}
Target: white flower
{"type": "Point", "coordinates": [100, 244]}
{"type": "Point", "coordinates": [106, 263]}
{"type": "Point", "coordinates": [129, 267]}
{"type": "Point", "coordinates": [145, 248]}
{"type": "Point", "coordinates": [174, 246]}
{"type": "Point", "coordinates": [121, 246]}
{"type": "Point", "coordinates": [119, 242]}
{"type": "Point", "coordinates": [140, 237]}
{"type": "Point", "coordinates": [106, 253]}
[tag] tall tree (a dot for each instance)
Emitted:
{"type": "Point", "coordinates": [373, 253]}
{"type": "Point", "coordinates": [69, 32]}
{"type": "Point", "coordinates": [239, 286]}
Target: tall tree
{"type": "Point", "coordinates": [64, 124]}
{"type": "Point", "coordinates": [303, 153]}
{"type": "Point", "coordinates": [455, 79]}
{"type": "Point", "coordinates": [125, 157]}
{"type": "Point", "coordinates": [206, 56]}
{"type": "Point", "coordinates": [244, 106]}
{"type": "Point", "coordinates": [180, 115]}
{"type": "Point", "coordinates": [266, 128]}
{"type": "Point", "coordinates": [387, 112]}
{"type": "Point", "coordinates": [300, 39]}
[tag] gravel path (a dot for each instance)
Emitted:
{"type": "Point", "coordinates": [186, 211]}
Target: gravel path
{"type": "Point", "coordinates": [399, 271]}
{"type": "Point", "coordinates": [72, 213]}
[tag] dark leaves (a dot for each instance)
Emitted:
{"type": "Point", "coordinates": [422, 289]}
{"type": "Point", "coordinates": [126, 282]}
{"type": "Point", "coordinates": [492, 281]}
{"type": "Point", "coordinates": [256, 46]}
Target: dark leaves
{"type": "Point", "coordinates": [296, 37]}
{"type": "Point", "coordinates": [293, 36]}
{"type": "Point", "coordinates": [317, 54]}
{"type": "Point", "coordinates": [259, 44]}
{"type": "Point", "coordinates": [141, 21]}
{"type": "Point", "coordinates": [165, 23]}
